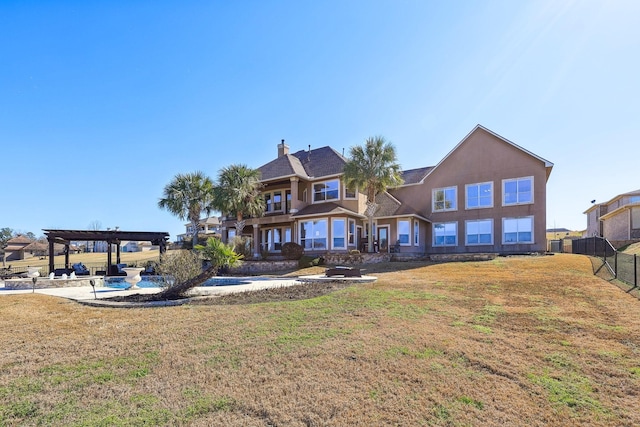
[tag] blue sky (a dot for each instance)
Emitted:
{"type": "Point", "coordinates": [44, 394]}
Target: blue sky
{"type": "Point", "coordinates": [103, 102]}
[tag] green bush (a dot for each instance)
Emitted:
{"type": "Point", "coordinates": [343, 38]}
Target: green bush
{"type": "Point", "coordinates": [309, 261]}
{"type": "Point", "coordinates": [292, 250]}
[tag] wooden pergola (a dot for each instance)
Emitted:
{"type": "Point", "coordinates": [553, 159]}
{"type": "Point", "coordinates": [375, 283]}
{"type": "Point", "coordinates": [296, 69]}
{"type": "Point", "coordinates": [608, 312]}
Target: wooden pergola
{"type": "Point", "coordinates": [112, 237]}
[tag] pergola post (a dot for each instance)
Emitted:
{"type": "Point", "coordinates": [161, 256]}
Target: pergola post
{"type": "Point", "coordinates": [51, 255]}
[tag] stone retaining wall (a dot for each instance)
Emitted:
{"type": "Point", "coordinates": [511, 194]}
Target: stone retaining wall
{"type": "Point", "coordinates": [462, 257]}
{"type": "Point", "coordinates": [44, 283]}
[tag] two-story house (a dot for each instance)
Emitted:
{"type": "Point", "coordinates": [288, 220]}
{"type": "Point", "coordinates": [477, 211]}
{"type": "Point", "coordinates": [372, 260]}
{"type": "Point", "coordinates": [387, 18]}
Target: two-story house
{"type": "Point", "coordinates": [207, 227]}
{"type": "Point", "coordinates": [617, 219]}
{"type": "Point", "coordinates": [487, 195]}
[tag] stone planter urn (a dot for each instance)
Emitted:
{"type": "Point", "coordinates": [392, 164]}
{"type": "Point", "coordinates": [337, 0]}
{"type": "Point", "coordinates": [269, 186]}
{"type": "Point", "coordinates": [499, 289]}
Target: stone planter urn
{"type": "Point", "coordinates": [33, 271]}
{"type": "Point", "coordinates": [133, 276]}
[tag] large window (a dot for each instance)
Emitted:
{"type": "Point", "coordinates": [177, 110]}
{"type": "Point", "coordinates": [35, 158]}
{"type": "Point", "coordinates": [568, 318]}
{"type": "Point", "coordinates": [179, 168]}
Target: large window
{"type": "Point", "coordinates": [479, 232]}
{"type": "Point", "coordinates": [445, 234]}
{"type": "Point", "coordinates": [517, 230]}
{"type": "Point", "coordinates": [313, 234]}
{"type": "Point", "coordinates": [480, 195]}
{"type": "Point", "coordinates": [444, 199]}
{"type": "Point", "coordinates": [517, 191]}
{"type": "Point", "coordinates": [338, 234]}
{"type": "Point", "coordinates": [634, 199]}
{"type": "Point", "coordinates": [328, 190]}
{"type": "Point", "coordinates": [404, 228]}
{"type": "Point", "coordinates": [273, 238]}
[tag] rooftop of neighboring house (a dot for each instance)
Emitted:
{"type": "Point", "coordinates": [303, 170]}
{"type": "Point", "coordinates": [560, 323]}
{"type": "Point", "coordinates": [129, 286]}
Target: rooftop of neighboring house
{"type": "Point", "coordinates": [614, 199]}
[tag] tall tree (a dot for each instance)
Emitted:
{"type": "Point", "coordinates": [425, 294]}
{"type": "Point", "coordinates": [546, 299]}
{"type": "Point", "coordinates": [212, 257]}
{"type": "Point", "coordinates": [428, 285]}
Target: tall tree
{"type": "Point", "coordinates": [187, 196]}
{"type": "Point", "coordinates": [238, 193]}
{"type": "Point", "coordinates": [372, 168]}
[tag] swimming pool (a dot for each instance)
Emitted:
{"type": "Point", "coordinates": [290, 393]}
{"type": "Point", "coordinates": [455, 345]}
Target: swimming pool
{"type": "Point", "coordinates": [158, 281]}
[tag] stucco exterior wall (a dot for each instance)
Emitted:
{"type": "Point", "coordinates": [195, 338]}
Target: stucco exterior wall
{"type": "Point", "coordinates": [481, 158]}
{"type": "Point", "coordinates": [617, 226]}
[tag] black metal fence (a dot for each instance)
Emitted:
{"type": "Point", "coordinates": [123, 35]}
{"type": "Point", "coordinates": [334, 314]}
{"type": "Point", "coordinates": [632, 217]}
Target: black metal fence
{"type": "Point", "coordinates": [624, 267]}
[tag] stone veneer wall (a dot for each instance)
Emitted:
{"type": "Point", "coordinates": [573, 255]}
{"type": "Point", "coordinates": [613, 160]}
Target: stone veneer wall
{"type": "Point", "coordinates": [462, 257]}
{"type": "Point", "coordinates": [44, 283]}
{"type": "Point", "coordinates": [259, 267]}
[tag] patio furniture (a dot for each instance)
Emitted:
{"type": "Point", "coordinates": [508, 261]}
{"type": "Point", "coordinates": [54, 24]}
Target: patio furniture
{"type": "Point", "coordinates": [343, 271]}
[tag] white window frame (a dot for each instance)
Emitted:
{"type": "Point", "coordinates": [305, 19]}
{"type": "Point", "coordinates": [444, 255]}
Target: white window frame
{"type": "Point", "coordinates": [504, 193]}
{"type": "Point", "coordinates": [444, 190]}
{"type": "Point", "coordinates": [408, 234]}
{"type": "Point", "coordinates": [351, 232]}
{"type": "Point", "coordinates": [313, 237]}
{"type": "Point", "coordinates": [436, 245]}
{"type": "Point", "coordinates": [344, 236]}
{"type": "Point", "coordinates": [345, 193]}
{"type": "Point", "coordinates": [270, 205]}
{"type": "Point", "coordinates": [466, 232]}
{"type": "Point", "coordinates": [478, 184]}
{"type": "Point", "coordinates": [313, 191]}
{"type": "Point", "coordinates": [518, 242]}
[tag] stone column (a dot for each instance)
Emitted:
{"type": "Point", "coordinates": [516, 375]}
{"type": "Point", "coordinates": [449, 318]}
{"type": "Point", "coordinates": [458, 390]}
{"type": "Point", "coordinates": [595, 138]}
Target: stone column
{"type": "Point", "coordinates": [294, 194]}
{"type": "Point", "coordinates": [256, 241]}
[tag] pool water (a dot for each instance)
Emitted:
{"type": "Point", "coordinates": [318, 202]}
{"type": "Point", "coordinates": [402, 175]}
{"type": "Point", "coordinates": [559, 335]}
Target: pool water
{"type": "Point", "coordinates": [157, 281]}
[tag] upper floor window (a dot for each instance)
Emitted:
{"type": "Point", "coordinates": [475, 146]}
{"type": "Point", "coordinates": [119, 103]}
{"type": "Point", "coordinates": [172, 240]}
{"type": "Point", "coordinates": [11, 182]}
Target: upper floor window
{"type": "Point", "coordinates": [350, 193]}
{"type": "Point", "coordinates": [517, 191]}
{"type": "Point", "coordinates": [325, 191]}
{"type": "Point", "coordinates": [480, 195]}
{"type": "Point", "coordinates": [273, 201]}
{"type": "Point", "coordinates": [634, 199]}
{"type": "Point", "coordinates": [444, 199]}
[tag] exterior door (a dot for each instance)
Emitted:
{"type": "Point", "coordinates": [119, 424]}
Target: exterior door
{"type": "Point", "coordinates": [383, 238]}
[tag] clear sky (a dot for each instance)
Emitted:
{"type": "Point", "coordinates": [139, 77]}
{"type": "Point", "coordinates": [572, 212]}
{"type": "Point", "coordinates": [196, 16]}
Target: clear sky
{"type": "Point", "coordinates": [102, 103]}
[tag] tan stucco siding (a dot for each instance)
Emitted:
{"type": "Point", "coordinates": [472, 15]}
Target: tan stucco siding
{"type": "Point", "coordinates": [482, 158]}
{"type": "Point", "coordinates": [617, 227]}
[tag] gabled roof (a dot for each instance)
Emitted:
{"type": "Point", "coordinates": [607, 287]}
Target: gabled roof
{"type": "Point", "coordinates": [415, 176]}
{"type": "Point", "coordinates": [306, 164]}
{"type": "Point", "coordinates": [619, 196]}
{"type": "Point", "coordinates": [325, 209]}
{"type": "Point", "coordinates": [20, 239]}
{"type": "Point", "coordinates": [387, 205]}
{"type": "Point", "coordinates": [548, 165]}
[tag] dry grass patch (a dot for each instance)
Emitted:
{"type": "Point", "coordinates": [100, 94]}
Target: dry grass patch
{"type": "Point", "coordinates": [515, 341]}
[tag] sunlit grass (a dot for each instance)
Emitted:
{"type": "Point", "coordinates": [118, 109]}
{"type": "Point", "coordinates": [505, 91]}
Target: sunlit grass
{"type": "Point", "coordinates": [514, 341]}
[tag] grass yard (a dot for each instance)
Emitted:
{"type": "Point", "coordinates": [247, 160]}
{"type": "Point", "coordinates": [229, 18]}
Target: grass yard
{"type": "Point", "coordinates": [522, 341]}
{"type": "Point", "coordinates": [97, 261]}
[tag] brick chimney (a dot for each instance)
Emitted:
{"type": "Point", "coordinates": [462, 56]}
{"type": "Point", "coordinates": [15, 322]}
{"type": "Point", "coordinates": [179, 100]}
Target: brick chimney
{"type": "Point", "coordinates": [283, 149]}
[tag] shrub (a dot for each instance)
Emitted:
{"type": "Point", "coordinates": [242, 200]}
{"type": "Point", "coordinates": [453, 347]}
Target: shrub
{"type": "Point", "coordinates": [308, 261]}
{"type": "Point", "coordinates": [242, 246]}
{"type": "Point", "coordinates": [179, 267]}
{"type": "Point", "coordinates": [292, 250]}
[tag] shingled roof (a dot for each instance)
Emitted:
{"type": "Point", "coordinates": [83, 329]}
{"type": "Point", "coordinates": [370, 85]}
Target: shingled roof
{"type": "Point", "coordinates": [307, 164]}
{"type": "Point", "coordinates": [414, 176]}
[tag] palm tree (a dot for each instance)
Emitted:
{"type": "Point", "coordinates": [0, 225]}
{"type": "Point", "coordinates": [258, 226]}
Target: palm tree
{"type": "Point", "coordinates": [187, 196]}
{"type": "Point", "coordinates": [374, 169]}
{"type": "Point", "coordinates": [238, 193]}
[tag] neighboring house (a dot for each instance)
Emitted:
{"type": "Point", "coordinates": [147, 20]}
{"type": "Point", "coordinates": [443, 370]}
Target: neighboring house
{"type": "Point", "coordinates": [487, 195]}
{"type": "Point", "coordinates": [207, 227]}
{"type": "Point", "coordinates": [617, 220]}
{"type": "Point", "coordinates": [15, 249]}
